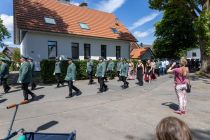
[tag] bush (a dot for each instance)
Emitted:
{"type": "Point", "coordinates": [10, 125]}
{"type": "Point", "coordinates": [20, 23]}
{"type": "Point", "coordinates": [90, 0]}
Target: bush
{"type": "Point", "coordinates": [47, 70]}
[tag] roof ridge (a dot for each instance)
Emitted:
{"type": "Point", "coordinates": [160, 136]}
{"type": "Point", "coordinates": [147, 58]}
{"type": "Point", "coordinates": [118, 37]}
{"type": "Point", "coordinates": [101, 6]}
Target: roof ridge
{"type": "Point", "coordinates": [87, 8]}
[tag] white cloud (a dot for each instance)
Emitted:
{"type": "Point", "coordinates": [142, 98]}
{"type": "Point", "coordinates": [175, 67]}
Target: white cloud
{"type": "Point", "coordinates": [75, 3]}
{"type": "Point", "coordinates": [143, 20]}
{"type": "Point", "coordinates": [144, 34]}
{"type": "Point", "coordinates": [7, 21]}
{"type": "Point", "coordinates": [110, 5]}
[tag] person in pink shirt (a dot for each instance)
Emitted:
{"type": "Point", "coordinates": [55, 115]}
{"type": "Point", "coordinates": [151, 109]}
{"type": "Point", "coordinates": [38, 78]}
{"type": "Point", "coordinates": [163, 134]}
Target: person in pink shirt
{"type": "Point", "coordinates": [180, 80]}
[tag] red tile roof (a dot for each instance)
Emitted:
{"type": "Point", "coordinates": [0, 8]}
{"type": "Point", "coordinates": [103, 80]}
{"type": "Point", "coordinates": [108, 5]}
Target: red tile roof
{"type": "Point", "coordinates": [134, 45]}
{"type": "Point", "coordinates": [138, 53]}
{"type": "Point", "coordinates": [29, 15]}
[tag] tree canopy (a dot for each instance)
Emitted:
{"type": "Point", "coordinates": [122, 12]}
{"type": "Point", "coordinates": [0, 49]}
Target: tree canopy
{"type": "Point", "coordinates": [3, 31]}
{"type": "Point", "coordinates": [175, 32]}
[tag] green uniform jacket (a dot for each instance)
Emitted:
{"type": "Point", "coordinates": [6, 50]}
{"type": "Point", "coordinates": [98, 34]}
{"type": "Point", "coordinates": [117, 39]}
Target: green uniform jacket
{"type": "Point", "coordinates": [57, 67]}
{"type": "Point", "coordinates": [124, 69]}
{"type": "Point", "coordinates": [110, 66]}
{"type": "Point", "coordinates": [100, 71]}
{"type": "Point", "coordinates": [4, 71]}
{"type": "Point", "coordinates": [158, 65]}
{"type": "Point", "coordinates": [32, 68]}
{"type": "Point", "coordinates": [25, 73]}
{"type": "Point", "coordinates": [89, 66]}
{"type": "Point", "coordinates": [119, 65]}
{"type": "Point", "coordinates": [71, 72]}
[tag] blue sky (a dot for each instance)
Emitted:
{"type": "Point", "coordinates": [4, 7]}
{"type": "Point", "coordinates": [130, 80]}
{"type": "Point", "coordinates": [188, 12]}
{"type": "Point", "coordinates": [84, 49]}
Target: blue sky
{"type": "Point", "coordinates": [135, 15]}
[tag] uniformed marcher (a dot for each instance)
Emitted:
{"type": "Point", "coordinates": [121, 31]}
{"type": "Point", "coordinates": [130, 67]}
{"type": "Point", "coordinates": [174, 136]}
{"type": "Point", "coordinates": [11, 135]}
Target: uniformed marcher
{"type": "Point", "coordinates": [33, 85]}
{"type": "Point", "coordinates": [124, 73]}
{"type": "Point", "coordinates": [57, 72]}
{"type": "Point", "coordinates": [4, 73]}
{"type": "Point", "coordinates": [90, 71]}
{"type": "Point", "coordinates": [100, 73]}
{"type": "Point", "coordinates": [24, 78]}
{"type": "Point", "coordinates": [105, 64]}
{"type": "Point", "coordinates": [118, 68]}
{"type": "Point", "coordinates": [70, 78]}
{"type": "Point", "coordinates": [110, 69]}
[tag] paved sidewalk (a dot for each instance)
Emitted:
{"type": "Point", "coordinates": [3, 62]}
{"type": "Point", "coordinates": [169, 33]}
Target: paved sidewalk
{"type": "Point", "coordinates": [130, 114]}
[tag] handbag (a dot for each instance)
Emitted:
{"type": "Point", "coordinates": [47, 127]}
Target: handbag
{"type": "Point", "coordinates": [188, 88]}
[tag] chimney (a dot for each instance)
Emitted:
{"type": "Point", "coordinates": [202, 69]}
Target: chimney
{"type": "Point", "coordinates": [84, 4]}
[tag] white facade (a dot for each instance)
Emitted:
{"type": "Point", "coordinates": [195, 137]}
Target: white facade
{"type": "Point", "coordinates": [194, 54]}
{"type": "Point", "coordinates": [35, 45]}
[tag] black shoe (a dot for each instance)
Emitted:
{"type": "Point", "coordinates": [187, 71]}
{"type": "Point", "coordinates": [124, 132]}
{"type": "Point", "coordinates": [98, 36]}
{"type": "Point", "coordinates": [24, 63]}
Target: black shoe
{"type": "Point", "coordinates": [106, 89]}
{"type": "Point", "coordinates": [68, 97]}
{"type": "Point", "coordinates": [58, 86]}
{"type": "Point", "coordinates": [78, 93]}
{"type": "Point", "coordinates": [62, 83]}
{"type": "Point", "coordinates": [7, 90]}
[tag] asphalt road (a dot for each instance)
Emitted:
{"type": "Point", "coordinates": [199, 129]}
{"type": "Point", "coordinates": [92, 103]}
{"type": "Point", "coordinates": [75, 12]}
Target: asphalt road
{"type": "Point", "coordinates": [130, 114]}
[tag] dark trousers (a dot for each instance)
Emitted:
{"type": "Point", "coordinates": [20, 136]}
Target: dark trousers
{"type": "Point", "coordinates": [125, 85]}
{"type": "Point", "coordinates": [26, 91]}
{"type": "Point", "coordinates": [71, 86]}
{"type": "Point", "coordinates": [118, 75]}
{"type": "Point", "coordinates": [33, 85]}
{"type": "Point", "coordinates": [5, 85]}
{"type": "Point", "coordinates": [140, 80]}
{"type": "Point", "coordinates": [103, 87]}
{"type": "Point", "coordinates": [157, 71]}
{"type": "Point", "coordinates": [58, 79]}
{"type": "Point", "coordinates": [90, 76]}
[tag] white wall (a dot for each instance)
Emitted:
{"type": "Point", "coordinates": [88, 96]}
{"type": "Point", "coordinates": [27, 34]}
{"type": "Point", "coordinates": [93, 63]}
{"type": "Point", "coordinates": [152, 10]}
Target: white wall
{"type": "Point", "coordinates": [35, 45]}
{"type": "Point", "coordinates": [190, 53]}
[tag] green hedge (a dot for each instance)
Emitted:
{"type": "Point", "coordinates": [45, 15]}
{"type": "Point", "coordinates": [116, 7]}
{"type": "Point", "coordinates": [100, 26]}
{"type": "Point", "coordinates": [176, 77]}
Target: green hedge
{"type": "Point", "coordinates": [47, 69]}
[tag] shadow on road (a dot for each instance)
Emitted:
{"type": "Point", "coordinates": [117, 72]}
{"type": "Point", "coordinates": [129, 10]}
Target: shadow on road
{"type": "Point", "coordinates": [2, 100]}
{"type": "Point", "coordinates": [38, 88]}
{"type": "Point", "coordinates": [200, 134]}
{"type": "Point", "coordinates": [46, 126]}
{"type": "Point", "coordinates": [39, 97]}
{"type": "Point", "coordinates": [171, 105]}
{"type": "Point", "coordinates": [131, 137]}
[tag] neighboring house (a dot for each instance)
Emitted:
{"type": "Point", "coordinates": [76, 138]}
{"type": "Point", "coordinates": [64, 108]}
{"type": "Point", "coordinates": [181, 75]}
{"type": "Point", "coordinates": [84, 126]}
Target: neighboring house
{"type": "Point", "coordinates": [194, 54]}
{"type": "Point", "coordinates": [46, 29]}
{"type": "Point", "coordinates": [142, 53]}
{"type": "Point", "coordinates": [134, 45]}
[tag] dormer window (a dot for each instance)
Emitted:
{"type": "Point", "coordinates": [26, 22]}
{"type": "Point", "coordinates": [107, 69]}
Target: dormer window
{"type": "Point", "coordinates": [115, 31]}
{"type": "Point", "coordinates": [49, 20]}
{"type": "Point", "coordinates": [84, 26]}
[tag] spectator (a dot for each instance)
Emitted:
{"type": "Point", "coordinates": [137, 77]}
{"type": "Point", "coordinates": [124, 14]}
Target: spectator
{"type": "Point", "coordinates": [171, 128]}
{"type": "Point", "coordinates": [180, 81]}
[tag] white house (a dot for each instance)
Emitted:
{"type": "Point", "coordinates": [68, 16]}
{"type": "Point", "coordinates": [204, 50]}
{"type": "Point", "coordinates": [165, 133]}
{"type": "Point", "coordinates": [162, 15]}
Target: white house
{"type": "Point", "coordinates": [46, 29]}
{"type": "Point", "coordinates": [194, 54]}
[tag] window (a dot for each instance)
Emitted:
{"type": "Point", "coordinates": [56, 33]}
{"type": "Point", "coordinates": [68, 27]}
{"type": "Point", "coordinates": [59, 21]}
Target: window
{"type": "Point", "coordinates": [52, 49]}
{"type": "Point", "coordinates": [75, 50]}
{"type": "Point", "coordinates": [103, 51]}
{"type": "Point", "coordinates": [194, 54]}
{"type": "Point", "coordinates": [118, 52]}
{"type": "Point", "coordinates": [49, 20]}
{"type": "Point", "coordinates": [86, 51]}
{"type": "Point", "coordinates": [115, 31]}
{"type": "Point", "coordinates": [84, 26]}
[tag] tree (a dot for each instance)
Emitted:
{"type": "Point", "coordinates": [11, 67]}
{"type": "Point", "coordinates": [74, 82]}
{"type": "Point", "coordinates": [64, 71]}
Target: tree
{"type": "Point", "coordinates": [175, 32]}
{"type": "Point", "coordinates": [198, 10]}
{"type": "Point", "coordinates": [3, 32]}
{"type": "Point", "coordinates": [16, 55]}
